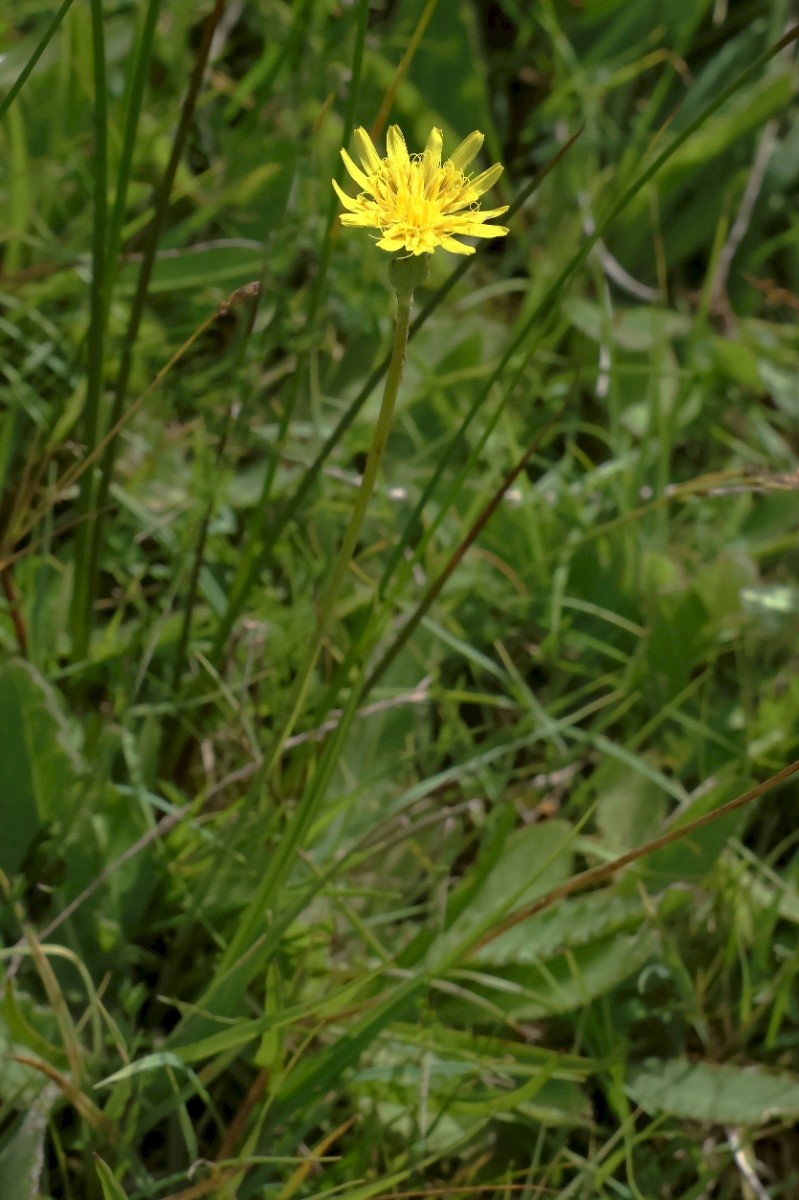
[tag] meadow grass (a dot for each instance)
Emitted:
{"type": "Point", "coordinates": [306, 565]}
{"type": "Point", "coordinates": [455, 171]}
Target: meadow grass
{"type": "Point", "coordinates": [442, 844]}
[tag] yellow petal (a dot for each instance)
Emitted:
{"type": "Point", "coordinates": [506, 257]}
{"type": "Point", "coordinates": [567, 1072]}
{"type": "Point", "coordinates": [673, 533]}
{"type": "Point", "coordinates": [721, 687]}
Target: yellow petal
{"type": "Point", "coordinates": [454, 247]}
{"type": "Point", "coordinates": [467, 150]}
{"type": "Point", "coordinates": [391, 243]}
{"type": "Point", "coordinates": [356, 173]}
{"type": "Point", "coordinates": [346, 200]}
{"type": "Point", "coordinates": [366, 151]}
{"type": "Point", "coordinates": [432, 154]}
{"type": "Point", "coordinates": [358, 220]}
{"type": "Point", "coordinates": [395, 146]}
{"type": "Point", "coordinates": [483, 182]}
{"type": "Point", "coordinates": [484, 214]}
{"type": "Point", "coordinates": [475, 229]}
{"type": "Point", "coordinates": [472, 216]}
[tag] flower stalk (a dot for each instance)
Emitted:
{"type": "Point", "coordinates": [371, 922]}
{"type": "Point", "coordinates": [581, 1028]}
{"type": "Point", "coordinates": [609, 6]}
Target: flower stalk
{"type": "Point", "coordinates": [406, 275]}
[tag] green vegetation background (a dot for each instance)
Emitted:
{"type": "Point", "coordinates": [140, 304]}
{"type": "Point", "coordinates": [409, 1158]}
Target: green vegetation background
{"type": "Point", "coordinates": [237, 965]}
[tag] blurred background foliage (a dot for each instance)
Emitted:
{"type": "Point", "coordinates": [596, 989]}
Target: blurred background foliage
{"type": "Point", "coordinates": [224, 979]}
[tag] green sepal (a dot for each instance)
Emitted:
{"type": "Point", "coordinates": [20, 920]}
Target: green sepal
{"type": "Point", "coordinates": [408, 272]}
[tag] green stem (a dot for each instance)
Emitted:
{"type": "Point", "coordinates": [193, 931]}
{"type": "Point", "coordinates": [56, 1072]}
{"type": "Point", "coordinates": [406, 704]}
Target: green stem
{"type": "Point", "coordinates": [347, 549]}
{"type": "Point", "coordinates": [82, 598]}
{"type": "Point", "coordinates": [132, 104]}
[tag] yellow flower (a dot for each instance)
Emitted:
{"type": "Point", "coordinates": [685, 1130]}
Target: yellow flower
{"type": "Point", "coordinates": [415, 202]}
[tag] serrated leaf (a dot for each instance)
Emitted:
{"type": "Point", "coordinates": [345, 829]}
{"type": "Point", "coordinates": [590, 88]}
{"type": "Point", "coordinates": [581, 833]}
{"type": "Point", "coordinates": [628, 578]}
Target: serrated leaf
{"type": "Point", "coordinates": [718, 1094]}
{"type": "Point", "coordinates": [533, 861]}
{"type": "Point", "coordinates": [571, 923]}
{"type": "Point", "coordinates": [560, 984]}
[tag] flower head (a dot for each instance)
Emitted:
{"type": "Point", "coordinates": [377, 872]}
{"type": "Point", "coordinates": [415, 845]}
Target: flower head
{"type": "Point", "coordinates": [416, 202]}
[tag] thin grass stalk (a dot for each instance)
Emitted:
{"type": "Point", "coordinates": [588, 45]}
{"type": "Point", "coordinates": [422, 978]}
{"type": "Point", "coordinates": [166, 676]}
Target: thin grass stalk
{"type": "Point", "coordinates": [177, 742]}
{"type": "Point", "coordinates": [362, 644]}
{"type": "Point", "coordinates": [82, 593]}
{"type": "Point", "coordinates": [22, 495]}
{"type": "Point", "coordinates": [62, 485]}
{"type": "Point", "coordinates": [134, 97]}
{"type": "Point", "coordinates": [14, 609]}
{"type": "Point", "coordinates": [265, 86]}
{"type": "Point", "coordinates": [30, 65]}
{"type": "Point", "coordinates": [254, 526]}
{"type": "Point", "coordinates": [18, 207]}
{"type": "Point", "coordinates": [160, 207]}
{"type": "Point", "coordinates": [402, 69]}
{"type": "Point", "coordinates": [398, 556]}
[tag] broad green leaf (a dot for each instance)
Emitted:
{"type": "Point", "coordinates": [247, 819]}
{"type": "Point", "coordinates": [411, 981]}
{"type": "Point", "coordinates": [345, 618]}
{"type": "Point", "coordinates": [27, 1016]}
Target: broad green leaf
{"type": "Point", "coordinates": [193, 269]}
{"type": "Point", "coordinates": [718, 1094]}
{"type": "Point", "coordinates": [39, 762]}
{"type": "Point", "coordinates": [630, 807]}
{"type": "Point", "coordinates": [22, 1157]}
{"type": "Point", "coordinates": [691, 857]}
{"type": "Point", "coordinates": [635, 329]}
{"type": "Point", "coordinates": [459, 1090]}
{"type": "Point", "coordinates": [571, 923]}
{"type": "Point", "coordinates": [737, 361]}
{"type": "Point", "coordinates": [560, 984]}
{"type": "Point", "coordinates": [532, 862]}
